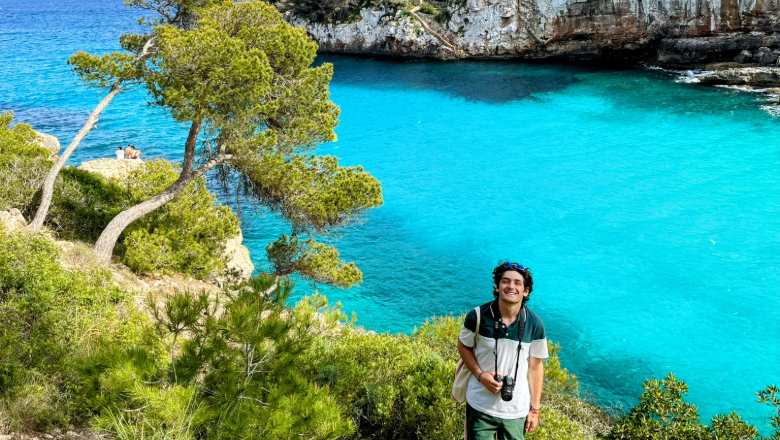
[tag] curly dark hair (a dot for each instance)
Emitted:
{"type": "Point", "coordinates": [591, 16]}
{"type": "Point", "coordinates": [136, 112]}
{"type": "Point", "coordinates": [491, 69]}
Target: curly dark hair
{"type": "Point", "coordinates": [528, 281]}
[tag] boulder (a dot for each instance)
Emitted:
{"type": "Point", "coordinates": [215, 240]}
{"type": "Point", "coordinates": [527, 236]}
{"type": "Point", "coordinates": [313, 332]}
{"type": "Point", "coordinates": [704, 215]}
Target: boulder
{"type": "Point", "coordinates": [745, 56]}
{"type": "Point", "coordinates": [239, 262]}
{"type": "Point", "coordinates": [111, 168]}
{"type": "Point", "coordinates": [50, 143]}
{"type": "Point", "coordinates": [766, 57]}
{"type": "Point", "coordinates": [762, 77]}
{"type": "Point", "coordinates": [12, 220]}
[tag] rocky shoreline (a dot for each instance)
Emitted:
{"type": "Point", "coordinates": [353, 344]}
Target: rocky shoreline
{"type": "Point", "coordinates": [667, 32]}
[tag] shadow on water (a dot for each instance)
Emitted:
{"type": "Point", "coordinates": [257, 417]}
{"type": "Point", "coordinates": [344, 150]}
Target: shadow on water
{"type": "Point", "coordinates": [484, 81]}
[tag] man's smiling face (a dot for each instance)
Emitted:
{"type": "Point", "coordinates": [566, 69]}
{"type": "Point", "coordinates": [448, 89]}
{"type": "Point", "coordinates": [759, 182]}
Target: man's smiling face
{"type": "Point", "coordinates": [511, 289]}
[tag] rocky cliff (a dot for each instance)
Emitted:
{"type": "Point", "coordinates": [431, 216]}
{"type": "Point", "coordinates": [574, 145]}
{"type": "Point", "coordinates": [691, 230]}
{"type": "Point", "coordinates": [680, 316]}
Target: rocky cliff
{"type": "Point", "coordinates": [619, 29]}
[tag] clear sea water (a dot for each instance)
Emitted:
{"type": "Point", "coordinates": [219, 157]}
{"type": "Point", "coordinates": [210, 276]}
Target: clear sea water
{"type": "Point", "coordinates": [648, 209]}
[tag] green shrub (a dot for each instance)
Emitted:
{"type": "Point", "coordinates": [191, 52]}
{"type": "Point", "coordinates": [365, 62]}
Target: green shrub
{"type": "Point", "coordinates": [663, 414]}
{"type": "Point", "coordinates": [234, 375]}
{"type": "Point", "coordinates": [83, 203]}
{"type": "Point", "coordinates": [23, 164]}
{"type": "Point", "coordinates": [429, 9]}
{"type": "Point", "coordinates": [49, 313]}
{"type": "Point", "coordinates": [771, 396]}
{"type": "Point", "coordinates": [187, 235]}
{"type": "Point", "coordinates": [398, 386]}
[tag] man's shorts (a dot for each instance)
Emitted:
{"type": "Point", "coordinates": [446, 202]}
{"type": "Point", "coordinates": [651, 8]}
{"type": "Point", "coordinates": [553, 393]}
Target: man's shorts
{"type": "Point", "coordinates": [480, 426]}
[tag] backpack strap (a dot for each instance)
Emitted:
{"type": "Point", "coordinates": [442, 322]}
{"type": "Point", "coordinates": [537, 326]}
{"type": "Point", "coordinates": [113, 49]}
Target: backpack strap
{"type": "Point", "coordinates": [476, 337]}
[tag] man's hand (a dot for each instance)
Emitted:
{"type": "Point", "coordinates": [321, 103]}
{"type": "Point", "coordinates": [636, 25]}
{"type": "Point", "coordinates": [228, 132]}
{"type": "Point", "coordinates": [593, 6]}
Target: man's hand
{"type": "Point", "coordinates": [488, 382]}
{"type": "Point", "coordinates": [531, 422]}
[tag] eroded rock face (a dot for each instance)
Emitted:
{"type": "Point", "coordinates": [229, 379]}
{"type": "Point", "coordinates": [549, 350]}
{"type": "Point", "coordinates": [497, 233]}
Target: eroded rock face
{"type": "Point", "coordinates": [239, 262]}
{"type": "Point", "coordinates": [761, 77]}
{"type": "Point", "coordinates": [12, 220]}
{"type": "Point", "coordinates": [712, 49]}
{"type": "Point", "coordinates": [50, 143]}
{"type": "Point", "coordinates": [111, 168]}
{"type": "Point", "coordinates": [546, 28]}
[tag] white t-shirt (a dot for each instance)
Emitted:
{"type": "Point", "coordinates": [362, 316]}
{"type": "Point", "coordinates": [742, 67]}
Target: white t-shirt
{"type": "Point", "coordinates": [534, 344]}
{"type": "Point", "coordinates": [120, 154]}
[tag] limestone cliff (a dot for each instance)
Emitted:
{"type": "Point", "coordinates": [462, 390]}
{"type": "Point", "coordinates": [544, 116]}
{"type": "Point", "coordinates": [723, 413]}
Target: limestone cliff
{"type": "Point", "coordinates": [542, 28]}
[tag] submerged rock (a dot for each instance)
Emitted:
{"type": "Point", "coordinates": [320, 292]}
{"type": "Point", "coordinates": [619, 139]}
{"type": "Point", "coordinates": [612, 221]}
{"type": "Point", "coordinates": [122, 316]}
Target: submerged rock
{"type": "Point", "coordinates": [762, 77]}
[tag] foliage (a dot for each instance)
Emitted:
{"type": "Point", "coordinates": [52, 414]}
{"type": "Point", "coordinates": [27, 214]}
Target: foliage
{"type": "Point", "coordinates": [334, 11]}
{"type": "Point", "coordinates": [23, 164]}
{"type": "Point", "coordinates": [397, 386]}
{"type": "Point", "coordinates": [244, 80]}
{"type": "Point", "coordinates": [662, 413]}
{"type": "Point", "coordinates": [313, 260]}
{"type": "Point", "coordinates": [187, 235]}
{"type": "Point", "coordinates": [83, 203]}
{"type": "Point", "coordinates": [48, 314]}
{"type": "Point", "coordinates": [233, 376]}
{"type": "Point", "coordinates": [771, 396]}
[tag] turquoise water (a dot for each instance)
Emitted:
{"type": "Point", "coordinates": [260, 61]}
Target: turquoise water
{"type": "Point", "coordinates": [648, 209]}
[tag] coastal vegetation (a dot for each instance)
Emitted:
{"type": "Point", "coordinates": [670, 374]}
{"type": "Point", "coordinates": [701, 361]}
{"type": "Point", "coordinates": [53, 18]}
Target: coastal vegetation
{"type": "Point", "coordinates": [76, 350]}
{"type": "Point", "coordinates": [81, 346]}
{"type": "Point", "coordinates": [241, 78]}
{"type": "Point", "coordinates": [186, 236]}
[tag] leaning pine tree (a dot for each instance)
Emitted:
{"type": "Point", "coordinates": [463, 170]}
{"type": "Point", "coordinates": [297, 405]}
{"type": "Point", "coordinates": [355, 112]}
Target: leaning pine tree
{"type": "Point", "coordinates": [116, 72]}
{"type": "Point", "coordinates": [242, 79]}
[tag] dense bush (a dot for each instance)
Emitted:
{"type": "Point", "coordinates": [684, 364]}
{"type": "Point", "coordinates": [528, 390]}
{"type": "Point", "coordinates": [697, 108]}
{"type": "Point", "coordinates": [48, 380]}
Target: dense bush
{"type": "Point", "coordinates": [398, 386]}
{"type": "Point", "coordinates": [50, 314]}
{"type": "Point", "coordinates": [185, 236]}
{"type": "Point", "coordinates": [234, 375]}
{"type": "Point", "coordinates": [23, 164]}
{"type": "Point", "coordinates": [663, 414]}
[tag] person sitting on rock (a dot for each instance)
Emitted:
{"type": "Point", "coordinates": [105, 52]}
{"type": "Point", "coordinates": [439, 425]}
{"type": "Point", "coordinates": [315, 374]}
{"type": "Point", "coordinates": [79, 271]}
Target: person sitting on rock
{"type": "Point", "coordinates": [132, 153]}
{"type": "Point", "coordinates": [120, 154]}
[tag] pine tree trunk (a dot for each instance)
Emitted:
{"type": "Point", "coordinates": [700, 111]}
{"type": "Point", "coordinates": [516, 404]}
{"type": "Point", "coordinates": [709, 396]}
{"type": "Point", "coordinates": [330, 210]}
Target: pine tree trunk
{"type": "Point", "coordinates": [104, 247]}
{"type": "Point", "coordinates": [48, 183]}
{"type": "Point", "coordinates": [105, 244]}
{"type": "Point", "coordinates": [51, 178]}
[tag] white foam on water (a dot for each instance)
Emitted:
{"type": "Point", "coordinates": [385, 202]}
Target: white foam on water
{"type": "Point", "coordinates": [772, 109]}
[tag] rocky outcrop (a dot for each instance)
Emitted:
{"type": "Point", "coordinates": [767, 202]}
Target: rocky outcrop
{"type": "Point", "coordinates": [111, 168]}
{"type": "Point", "coordinates": [239, 262]}
{"type": "Point", "coordinates": [761, 77]}
{"type": "Point", "coordinates": [766, 56]}
{"type": "Point", "coordinates": [553, 28]}
{"type": "Point", "coordinates": [50, 143]}
{"type": "Point", "coordinates": [12, 220]}
{"type": "Point", "coordinates": [687, 51]}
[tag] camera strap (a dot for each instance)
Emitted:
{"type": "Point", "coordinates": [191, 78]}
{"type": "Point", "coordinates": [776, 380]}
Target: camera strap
{"type": "Point", "coordinates": [520, 332]}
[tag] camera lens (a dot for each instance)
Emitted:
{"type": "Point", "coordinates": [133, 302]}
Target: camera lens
{"type": "Point", "coordinates": [507, 388]}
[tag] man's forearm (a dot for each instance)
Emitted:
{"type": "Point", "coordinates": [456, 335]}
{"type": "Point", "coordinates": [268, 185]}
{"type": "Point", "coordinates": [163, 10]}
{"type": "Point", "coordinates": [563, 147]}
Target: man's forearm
{"type": "Point", "coordinates": [536, 381]}
{"type": "Point", "coordinates": [469, 360]}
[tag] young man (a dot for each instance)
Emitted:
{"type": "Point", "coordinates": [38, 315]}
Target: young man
{"type": "Point", "coordinates": [512, 343]}
{"type": "Point", "coordinates": [120, 154]}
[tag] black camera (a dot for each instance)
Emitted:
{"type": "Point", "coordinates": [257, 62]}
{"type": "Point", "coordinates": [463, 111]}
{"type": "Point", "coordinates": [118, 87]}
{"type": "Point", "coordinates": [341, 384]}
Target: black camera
{"type": "Point", "coordinates": [507, 387]}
